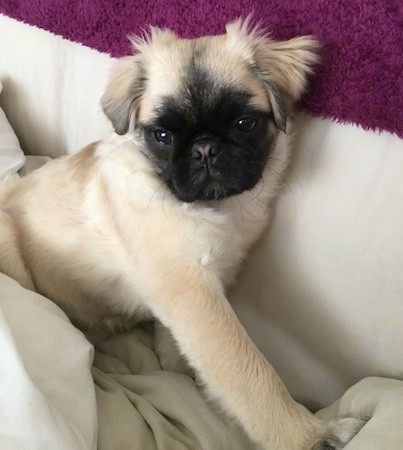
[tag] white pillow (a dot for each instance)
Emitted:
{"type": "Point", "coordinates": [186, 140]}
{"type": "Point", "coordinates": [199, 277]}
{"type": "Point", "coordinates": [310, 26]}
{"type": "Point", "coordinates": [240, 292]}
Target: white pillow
{"type": "Point", "coordinates": [11, 156]}
{"type": "Point", "coordinates": [47, 394]}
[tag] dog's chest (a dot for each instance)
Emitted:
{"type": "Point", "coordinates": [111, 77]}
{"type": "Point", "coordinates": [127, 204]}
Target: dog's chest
{"type": "Point", "coordinates": [163, 243]}
{"type": "Point", "coordinates": [203, 237]}
{"type": "Point", "coordinates": [219, 245]}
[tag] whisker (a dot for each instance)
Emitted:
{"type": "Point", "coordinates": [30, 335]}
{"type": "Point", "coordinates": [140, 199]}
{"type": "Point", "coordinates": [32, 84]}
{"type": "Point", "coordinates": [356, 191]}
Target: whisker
{"type": "Point", "coordinates": [162, 184]}
{"type": "Point", "coordinates": [242, 210]}
{"type": "Point", "coordinates": [163, 202]}
{"type": "Point", "coordinates": [262, 185]}
{"type": "Point", "coordinates": [112, 151]}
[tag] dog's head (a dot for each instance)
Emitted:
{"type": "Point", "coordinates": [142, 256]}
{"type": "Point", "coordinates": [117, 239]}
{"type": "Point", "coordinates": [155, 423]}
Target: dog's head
{"type": "Point", "coordinates": [208, 110]}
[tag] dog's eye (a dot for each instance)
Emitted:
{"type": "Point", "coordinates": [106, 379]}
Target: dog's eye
{"type": "Point", "coordinates": [163, 136]}
{"type": "Point", "coordinates": [246, 124]}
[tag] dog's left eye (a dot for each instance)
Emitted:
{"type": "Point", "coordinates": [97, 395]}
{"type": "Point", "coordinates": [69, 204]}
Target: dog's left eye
{"type": "Point", "coordinates": [246, 124]}
{"type": "Point", "coordinates": [163, 136]}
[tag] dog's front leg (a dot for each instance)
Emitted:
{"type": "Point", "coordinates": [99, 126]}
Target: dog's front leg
{"type": "Point", "coordinates": [193, 306]}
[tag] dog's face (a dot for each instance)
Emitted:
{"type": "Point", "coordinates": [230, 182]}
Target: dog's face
{"type": "Point", "coordinates": [208, 110]}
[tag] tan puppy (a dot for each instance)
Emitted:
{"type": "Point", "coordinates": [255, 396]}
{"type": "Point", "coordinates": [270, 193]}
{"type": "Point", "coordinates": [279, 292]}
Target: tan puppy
{"type": "Point", "coordinates": [156, 220]}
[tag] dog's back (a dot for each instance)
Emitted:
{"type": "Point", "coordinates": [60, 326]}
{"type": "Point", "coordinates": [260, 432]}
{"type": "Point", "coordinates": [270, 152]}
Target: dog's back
{"type": "Point", "coordinates": [7, 187]}
{"type": "Point", "coordinates": [11, 262]}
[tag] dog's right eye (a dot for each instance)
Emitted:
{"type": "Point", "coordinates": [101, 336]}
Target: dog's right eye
{"type": "Point", "coordinates": [163, 136]}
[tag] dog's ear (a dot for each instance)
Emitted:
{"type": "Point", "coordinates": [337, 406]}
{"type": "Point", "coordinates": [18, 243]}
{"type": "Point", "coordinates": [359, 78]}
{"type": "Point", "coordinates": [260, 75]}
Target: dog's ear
{"type": "Point", "coordinates": [128, 80]}
{"type": "Point", "coordinates": [283, 66]}
{"type": "Point", "coordinates": [121, 100]}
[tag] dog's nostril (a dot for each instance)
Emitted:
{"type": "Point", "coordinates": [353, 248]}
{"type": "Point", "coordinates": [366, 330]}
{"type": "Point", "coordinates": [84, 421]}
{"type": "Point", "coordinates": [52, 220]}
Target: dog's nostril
{"type": "Point", "coordinates": [196, 154]}
{"type": "Point", "coordinates": [201, 151]}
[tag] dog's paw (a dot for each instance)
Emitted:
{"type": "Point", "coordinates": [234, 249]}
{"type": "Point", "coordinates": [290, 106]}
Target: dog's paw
{"type": "Point", "coordinates": [339, 433]}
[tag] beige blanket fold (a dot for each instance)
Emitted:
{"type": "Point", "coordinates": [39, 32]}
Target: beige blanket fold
{"type": "Point", "coordinates": [141, 406]}
{"type": "Point", "coordinates": [48, 400]}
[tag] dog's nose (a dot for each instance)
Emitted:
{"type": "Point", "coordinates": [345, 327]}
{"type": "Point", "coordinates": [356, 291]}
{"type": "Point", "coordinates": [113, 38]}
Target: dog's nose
{"type": "Point", "coordinates": [205, 150]}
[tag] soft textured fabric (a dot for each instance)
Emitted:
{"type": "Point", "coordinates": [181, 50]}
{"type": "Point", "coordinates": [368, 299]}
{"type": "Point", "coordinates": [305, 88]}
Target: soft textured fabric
{"type": "Point", "coordinates": [47, 395]}
{"type": "Point", "coordinates": [11, 156]}
{"type": "Point", "coordinates": [360, 79]}
{"type": "Point", "coordinates": [381, 401]}
{"type": "Point", "coordinates": [49, 400]}
{"type": "Point", "coordinates": [51, 89]}
{"type": "Point", "coordinates": [141, 406]}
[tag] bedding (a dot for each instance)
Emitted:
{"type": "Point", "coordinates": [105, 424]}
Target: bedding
{"type": "Point", "coordinates": [47, 398]}
{"type": "Point", "coordinates": [11, 155]}
{"type": "Point", "coordinates": [12, 158]}
{"type": "Point", "coordinates": [320, 295]}
{"type": "Point", "coordinates": [55, 393]}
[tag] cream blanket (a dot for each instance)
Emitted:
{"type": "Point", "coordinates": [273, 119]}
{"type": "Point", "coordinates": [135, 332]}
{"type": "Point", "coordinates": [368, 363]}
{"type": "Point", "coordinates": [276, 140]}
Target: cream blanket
{"type": "Point", "coordinates": [11, 156]}
{"type": "Point", "coordinates": [49, 399]}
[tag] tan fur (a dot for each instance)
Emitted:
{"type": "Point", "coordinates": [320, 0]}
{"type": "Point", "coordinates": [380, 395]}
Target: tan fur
{"type": "Point", "coordinates": [99, 233]}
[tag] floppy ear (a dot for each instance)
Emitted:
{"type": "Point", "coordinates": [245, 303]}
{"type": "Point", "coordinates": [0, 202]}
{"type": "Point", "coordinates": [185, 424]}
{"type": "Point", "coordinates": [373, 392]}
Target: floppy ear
{"type": "Point", "coordinates": [121, 100]}
{"type": "Point", "coordinates": [282, 66]}
{"type": "Point", "coordinates": [128, 79]}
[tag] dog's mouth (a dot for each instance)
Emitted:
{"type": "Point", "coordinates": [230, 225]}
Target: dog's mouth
{"type": "Point", "coordinates": [205, 185]}
{"type": "Point", "coordinates": [212, 189]}
{"type": "Point", "coordinates": [209, 184]}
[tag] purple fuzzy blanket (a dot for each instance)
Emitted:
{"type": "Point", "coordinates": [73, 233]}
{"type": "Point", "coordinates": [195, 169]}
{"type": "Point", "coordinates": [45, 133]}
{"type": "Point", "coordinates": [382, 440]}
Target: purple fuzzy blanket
{"type": "Point", "coordinates": [359, 81]}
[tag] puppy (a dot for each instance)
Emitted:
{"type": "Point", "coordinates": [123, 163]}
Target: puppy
{"type": "Point", "coordinates": [156, 220]}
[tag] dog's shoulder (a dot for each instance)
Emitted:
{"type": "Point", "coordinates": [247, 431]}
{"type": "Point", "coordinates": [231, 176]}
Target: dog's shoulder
{"type": "Point", "coordinates": [7, 186]}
